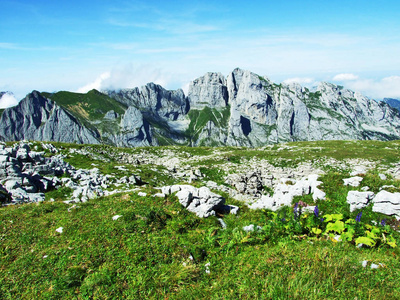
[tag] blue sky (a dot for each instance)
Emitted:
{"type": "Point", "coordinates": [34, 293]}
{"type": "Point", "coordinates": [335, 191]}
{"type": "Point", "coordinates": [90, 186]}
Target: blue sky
{"type": "Point", "coordinates": [78, 45]}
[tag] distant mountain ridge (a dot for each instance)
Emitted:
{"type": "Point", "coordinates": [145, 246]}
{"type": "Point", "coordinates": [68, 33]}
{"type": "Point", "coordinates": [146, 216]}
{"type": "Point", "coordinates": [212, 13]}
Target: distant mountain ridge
{"type": "Point", "coordinates": [395, 103]}
{"type": "Point", "coordinates": [241, 109]}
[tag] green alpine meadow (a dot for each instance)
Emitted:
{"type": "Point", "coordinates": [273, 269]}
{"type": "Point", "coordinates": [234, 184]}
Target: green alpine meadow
{"type": "Point", "coordinates": [133, 241]}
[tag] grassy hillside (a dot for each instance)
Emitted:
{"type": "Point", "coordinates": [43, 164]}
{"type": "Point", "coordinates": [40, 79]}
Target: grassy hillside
{"type": "Point", "coordinates": [90, 106]}
{"type": "Point", "coordinates": [159, 250]}
{"type": "Point", "coordinates": [90, 109]}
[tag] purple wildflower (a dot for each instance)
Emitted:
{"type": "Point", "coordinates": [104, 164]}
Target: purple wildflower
{"type": "Point", "coordinates": [295, 210]}
{"type": "Point", "coordinates": [358, 218]}
{"type": "Point", "coordinates": [316, 211]}
{"type": "Point", "coordinates": [383, 222]}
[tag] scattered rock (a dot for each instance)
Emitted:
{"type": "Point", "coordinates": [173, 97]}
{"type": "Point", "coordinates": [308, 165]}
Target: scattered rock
{"type": "Point", "coordinates": [223, 224]}
{"type": "Point", "coordinates": [358, 169]}
{"type": "Point", "coordinates": [207, 265]}
{"type": "Point", "coordinates": [159, 195]}
{"type": "Point", "coordinates": [359, 200]}
{"type": "Point", "coordinates": [382, 176]}
{"type": "Point", "coordinates": [364, 264]}
{"type": "Point", "coordinates": [23, 174]}
{"type": "Point", "coordinates": [285, 191]}
{"type": "Point", "coordinates": [374, 266]}
{"type": "Point", "coordinates": [201, 201]}
{"type": "Point", "coordinates": [26, 175]}
{"type": "Point", "coordinates": [249, 184]}
{"type": "Point", "coordinates": [251, 227]}
{"type": "Point", "coordinates": [353, 181]}
{"type": "Point", "coordinates": [72, 207]}
{"type": "Point", "coordinates": [185, 197]}
{"type": "Point", "coordinates": [384, 187]}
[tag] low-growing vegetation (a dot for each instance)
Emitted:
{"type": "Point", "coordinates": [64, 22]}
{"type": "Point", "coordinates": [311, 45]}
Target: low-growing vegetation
{"type": "Point", "coordinates": [145, 247]}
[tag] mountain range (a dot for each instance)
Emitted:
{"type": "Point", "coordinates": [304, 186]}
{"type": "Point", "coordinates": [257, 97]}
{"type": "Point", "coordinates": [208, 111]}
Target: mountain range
{"type": "Point", "coordinates": [241, 109]}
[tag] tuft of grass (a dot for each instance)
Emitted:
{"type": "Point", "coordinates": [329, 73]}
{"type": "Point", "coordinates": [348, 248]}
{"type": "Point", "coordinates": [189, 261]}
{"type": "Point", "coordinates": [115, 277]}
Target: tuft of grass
{"type": "Point", "coordinates": [213, 174]}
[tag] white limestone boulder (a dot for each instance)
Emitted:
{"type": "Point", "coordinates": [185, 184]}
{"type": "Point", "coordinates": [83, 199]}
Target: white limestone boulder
{"type": "Point", "coordinates": [359, 200]}
{"type": "Point", "coordinates": [387, 203]}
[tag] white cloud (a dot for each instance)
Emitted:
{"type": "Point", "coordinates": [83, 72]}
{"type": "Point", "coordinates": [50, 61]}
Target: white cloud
{"type": "Point", "coordinates": [388, 87]}
{"type": "Point", "coordinates": [128, 76]}
{"type": "Point", "coordinates": [345, 77]}
{"type": "Point", "coordinates": [8, 100]}
{"type": "Point", "coordinates": [300, 80]}
{"type": "Point", "coordinates": [185, 87]}
{"type": "Point", "coordinates": [97, 84]}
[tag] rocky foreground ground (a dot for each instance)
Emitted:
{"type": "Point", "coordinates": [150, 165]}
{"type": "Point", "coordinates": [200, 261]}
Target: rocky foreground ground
{"type": "Point", "coordinates": [29, 170]}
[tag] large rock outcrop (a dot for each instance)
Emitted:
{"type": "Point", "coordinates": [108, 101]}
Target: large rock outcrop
{"type": "Point", "coordinates": [40, 119]}
{"type": "Point", "coordinates": [209, 90]}
{"type": "Point", "coordinates": [134, 131]}
{"type": "Point", "coordinates": [154, 99]}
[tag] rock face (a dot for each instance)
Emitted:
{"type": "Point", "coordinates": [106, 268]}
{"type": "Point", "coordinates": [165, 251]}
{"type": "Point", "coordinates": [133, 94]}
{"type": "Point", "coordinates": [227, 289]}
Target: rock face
{"type": "Point", "coordinates": [209, 90]}
{"type": "Point", "coordinates": [154, 100]}
{"type": "Point", "coordinates": [242, 109]}
{"type": "Point", "coordinates": [134, 130]}
{"type": "Point", "coordinates": [40, 119]}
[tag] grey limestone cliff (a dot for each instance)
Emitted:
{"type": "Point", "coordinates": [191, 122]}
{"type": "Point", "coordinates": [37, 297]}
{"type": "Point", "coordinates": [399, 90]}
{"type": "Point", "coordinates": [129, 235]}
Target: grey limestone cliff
{"type": "Point", "coordinates": [134, 131]}
{"type": "Point", "coordinates": [262, 112]}
{"type": "Point", "coordinates": [154, 99]}
{"type": "Point", "coordinates": [38, 118]}
{"type": "Point", "coordinates": [209, 90]}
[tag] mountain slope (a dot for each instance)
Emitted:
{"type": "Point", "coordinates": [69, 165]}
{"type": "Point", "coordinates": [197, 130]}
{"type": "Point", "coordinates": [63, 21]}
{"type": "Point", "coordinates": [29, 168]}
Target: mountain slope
{"type": "Point", "coordinates": [38, 118]}
{"type": "Point", "coordinates": [395, 103]}
{"type": "Point", "coordinates": [242, 109]}
{"type": "Point", "coordinates": [93, 110]}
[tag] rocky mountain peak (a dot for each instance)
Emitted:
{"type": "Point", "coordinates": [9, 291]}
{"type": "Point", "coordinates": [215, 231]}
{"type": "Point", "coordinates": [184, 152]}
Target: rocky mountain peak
{"type": "Point", "coordinates": [242, 109]}
{"type": "Point", "coordinates": [209, 90]}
